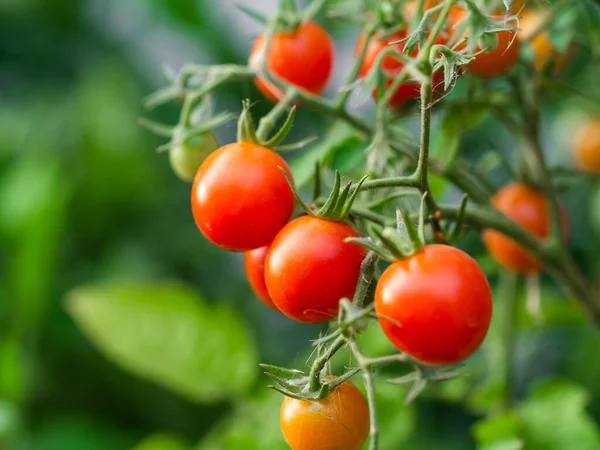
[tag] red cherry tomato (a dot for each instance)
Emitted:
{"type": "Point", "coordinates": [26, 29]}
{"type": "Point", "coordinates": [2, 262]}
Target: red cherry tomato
{"type": "Point", "coordinates": [240, 198]}
{"type": "Point", "coordinates": [309, 268]}
{"type": "Point", "coordinates": [303, 57]}
{"type": "Point", "coordinates": [392, 66]}
{"type": "Point", "coordinates": [254, 261]}
{"type": "Point", "coordinates": [495, 62]}
{"type": "Point", "coordinates": [529, 208]}
{"type": "Point", "coordinates": [435, 305]}
{"type": "Point", "coordinates": [340, 421]}
{"type": "Point", "coordinates": [587, 147]}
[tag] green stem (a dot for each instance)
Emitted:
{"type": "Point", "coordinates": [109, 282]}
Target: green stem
{"type": "Point", "coordinates": [370, 387]}
{"type": "Point", "coordinates": [268, 121]}
{"type": "Point", "coordinates": [367, 273]}
{"type": "Point", "coordinates": [371, 399]}
{"type": "Point", "coordinates": [321, 361]}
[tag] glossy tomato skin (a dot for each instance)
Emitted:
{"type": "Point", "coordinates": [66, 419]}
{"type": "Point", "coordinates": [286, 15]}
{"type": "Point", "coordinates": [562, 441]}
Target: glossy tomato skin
{"type": "Point", "coordinates": [240, 198]}
{"type": "Point", "coordinates": [309, 268]}
{"type": "Point", "coordinates": [254, 263]}
{"type": "Point", "coordinates": [340, 421]}
{"type": "Point", "coordinates": [543, 50]}
{"type": "Point", "coordinates": [442, 300]}
{"type": "Point", "coordinates": [186, 158]}
{"type": "Point", "coordinates": [392, 66]}
{"type": "Point", "coordinates": [529, 208]}
{"type": "Point", "coordinates": [587, 146]}
{"type": "Point", "coordinates": [303, 57]}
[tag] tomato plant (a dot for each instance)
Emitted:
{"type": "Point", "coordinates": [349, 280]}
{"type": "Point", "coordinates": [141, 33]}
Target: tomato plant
{"type": "Point", "coordinates": [340, 421]}
{"type": "Point", "coordinates": [310, 267]}
{"type": "Point", "coordinates": [303, 57]}
{"type": "Point", "coordinates": [254, 262]}
{"type": "Point", "coordinates": [433, 301]}
{"type": "Point", "coordinates": [240, 198]}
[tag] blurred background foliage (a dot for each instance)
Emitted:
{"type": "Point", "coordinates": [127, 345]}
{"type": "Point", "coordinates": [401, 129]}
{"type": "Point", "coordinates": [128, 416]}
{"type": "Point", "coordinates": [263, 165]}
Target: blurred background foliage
{"type": "Point", "coordinates": [122, 328]}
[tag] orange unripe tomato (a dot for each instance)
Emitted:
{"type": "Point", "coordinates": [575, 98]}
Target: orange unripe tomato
{"type": "Point", "coordinates": [543, 50]}
{"type": "Point", "coordinates": [529, 208]}
{"type": "Point", "coordinates": [587, 146]}
{"type": "Point", "coordinates": [340, 421]}
{"type": "Point", "coordinates": [303, 57]}
{"type": "Point", "coordinates": [254, 263]}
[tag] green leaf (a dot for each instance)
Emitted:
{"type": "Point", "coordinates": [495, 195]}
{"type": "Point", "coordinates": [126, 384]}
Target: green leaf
{"type": "Point", "coordinates": [168, 334]}
{"type": "Point", "coordinates": [506, 444]}
{"type": "Point", "coordinates": [162, 442]}
{"type": "Point", "coordinates": [9, 421]}
{"type": "Point", "coordinates": [341, 138]}
{"type": "Point", "coordinates": [554, 418]}
{"type": "Point", "coordinates": [458, 118]}
{"type": "Point", "coordinates": [499, 428]}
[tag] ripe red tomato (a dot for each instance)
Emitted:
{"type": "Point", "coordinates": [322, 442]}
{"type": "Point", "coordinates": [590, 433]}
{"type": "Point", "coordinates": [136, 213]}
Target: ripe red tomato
{"type": "Point", "coordinates": [254, 261]}
{"type": "Point", "coordinates": [587, 146]}
{"type": "Point", "coordinates": [529, 208]}
{"type": "Point", "coordinates": [495, 62]}
{"type": "Point", "coordinates": [435, 305]}
{"type": "Point", "coordinates": [309, 268]}
{"type": "Point", "coordinates": [392, 66]}
{"type": "Point", "coordinates": [303, 57]}
{"type": "Point", "coordinates": [240, 199]}
{"type": "Point", "coordinates": [340, 421]}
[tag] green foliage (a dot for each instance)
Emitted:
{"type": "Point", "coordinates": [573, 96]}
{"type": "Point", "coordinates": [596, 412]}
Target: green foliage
{"type": "Point", "coordinates": [162, 442]}
{"type": "Point", "coordinates": [169, 335]}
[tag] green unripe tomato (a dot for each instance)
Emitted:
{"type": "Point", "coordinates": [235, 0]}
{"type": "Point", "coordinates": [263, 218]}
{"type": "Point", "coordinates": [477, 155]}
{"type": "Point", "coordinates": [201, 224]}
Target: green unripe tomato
{"type": "Point", "coordinates": [187, 157]}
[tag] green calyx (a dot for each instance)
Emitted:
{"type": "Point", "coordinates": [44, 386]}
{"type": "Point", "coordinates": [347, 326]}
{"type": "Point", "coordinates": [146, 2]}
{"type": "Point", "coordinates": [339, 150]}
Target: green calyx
{"type": "Point", "coordinates": [298, 385]}
{"type": "Point", "coordinates": [408, 238]}
{"type": "Point", "coordinates": [195, 120]}
{"type": "Point", "coordinates": [393, 244]}
{"type": "Point", "coordinates": [191, 140]}
{"type": "Point", "coordinates": [247, 131]}
{"type": "Point", "coordinates": [338, 205]}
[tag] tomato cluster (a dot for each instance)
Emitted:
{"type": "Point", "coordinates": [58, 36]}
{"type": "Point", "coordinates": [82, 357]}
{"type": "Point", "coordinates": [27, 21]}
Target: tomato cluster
{"type": "Point", "coordinates": [434, 305]}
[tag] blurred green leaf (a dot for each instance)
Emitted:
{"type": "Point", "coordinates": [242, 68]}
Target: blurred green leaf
{"type": "Point", "coordinates": [252, 426]}
{"type": "Point", "coordinates": [170, 335]}
{"type": "Point", "coordinates": [12, 375]}
{"type": "Point", "coordinates": [162, 442]}
{"type": "Point", "coordinates": [506, 444]}
{"type": "Point", "coordinates": [554, 418]}
{"type": "Point", "coordinates": [9, 419]}
{"type": "Point", "coordinates": [458, 118]}
{"type": "Point", "coordinates": [340, 139]}
{"type": "Point", "coordinates": [78, 433]}
{"type": "Point", "coordinates": [499, 428]}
